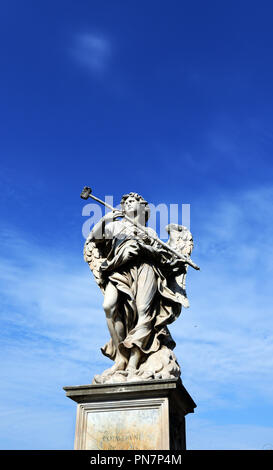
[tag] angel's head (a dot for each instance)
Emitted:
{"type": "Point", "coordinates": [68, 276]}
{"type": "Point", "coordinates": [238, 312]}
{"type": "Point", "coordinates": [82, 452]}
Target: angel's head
{"type": "Point", "coordinates": [135, 205]}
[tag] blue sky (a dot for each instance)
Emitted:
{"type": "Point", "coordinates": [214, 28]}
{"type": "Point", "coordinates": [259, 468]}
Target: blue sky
{"type": "Point", "coordinates": [169, 99]}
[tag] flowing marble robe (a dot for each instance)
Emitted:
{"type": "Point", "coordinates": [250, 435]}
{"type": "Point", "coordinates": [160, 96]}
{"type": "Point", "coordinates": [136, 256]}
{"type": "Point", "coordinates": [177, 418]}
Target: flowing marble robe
{"type": "Point", "coordinates": [141, 272]}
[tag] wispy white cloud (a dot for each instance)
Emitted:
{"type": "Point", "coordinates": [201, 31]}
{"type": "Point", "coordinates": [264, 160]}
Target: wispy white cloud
{"type": "Point", "coordinates": [225, 340]}
{"type": "Point", "coordinates": [54, 326]}
{"type": "Point", "coordinates": [92, 51]}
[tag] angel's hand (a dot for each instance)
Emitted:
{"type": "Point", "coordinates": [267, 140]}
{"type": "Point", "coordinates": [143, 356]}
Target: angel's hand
{"type": "Point", "coordinates": [178, 265]}
{"type": "Point", "coordinates": [110, 216]}
{"type": "Point", "coordinates": [146, 239]}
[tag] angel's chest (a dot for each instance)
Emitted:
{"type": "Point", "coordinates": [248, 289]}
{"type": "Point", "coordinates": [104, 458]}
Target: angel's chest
{"type": "Point", "coordinates": [127, 231]}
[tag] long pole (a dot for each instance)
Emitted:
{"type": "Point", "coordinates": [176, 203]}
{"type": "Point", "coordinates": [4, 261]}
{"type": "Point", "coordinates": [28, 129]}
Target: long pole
{"type": "Point", "coordinates": [185, 258]}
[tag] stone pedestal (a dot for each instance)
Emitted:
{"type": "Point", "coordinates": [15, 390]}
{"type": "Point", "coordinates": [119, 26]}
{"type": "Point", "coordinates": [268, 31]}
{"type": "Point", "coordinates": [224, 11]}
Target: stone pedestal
{"type": "Point", "coordinates": [131, 416]}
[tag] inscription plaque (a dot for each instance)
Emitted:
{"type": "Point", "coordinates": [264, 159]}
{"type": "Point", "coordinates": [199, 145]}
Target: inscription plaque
{"type": "Point", "coordinates": [123, 425]}
{"type": "Point", "coordinates": [131, 416]}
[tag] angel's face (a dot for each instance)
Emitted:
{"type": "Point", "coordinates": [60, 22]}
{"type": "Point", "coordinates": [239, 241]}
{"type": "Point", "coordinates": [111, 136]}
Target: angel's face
{"type": "Point", "coordinates": [131, 205]}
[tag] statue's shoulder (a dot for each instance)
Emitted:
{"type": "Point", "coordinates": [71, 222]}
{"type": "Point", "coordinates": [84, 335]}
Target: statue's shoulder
{"type": "Point", "coordinates": [114, 227]}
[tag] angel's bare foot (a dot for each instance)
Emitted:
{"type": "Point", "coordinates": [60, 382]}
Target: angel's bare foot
{"type": "Point", "coordinates": [123, 372]}
{"type": "Point", "coordinates": [131, 371]}
{"type": "Point", "coordinates": [133, 374]}
{"type": "Point", "coordinates": [148, 374]}
{"type": "Point", "coordinates": [118, 366]}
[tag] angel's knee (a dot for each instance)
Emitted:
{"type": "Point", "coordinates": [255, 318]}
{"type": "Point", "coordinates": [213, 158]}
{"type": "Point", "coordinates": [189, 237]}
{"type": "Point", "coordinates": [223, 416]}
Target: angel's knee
{"type": "Point", "coordinates": [109, 306]}
{"type": "Point", "coordinates": [110, 300]}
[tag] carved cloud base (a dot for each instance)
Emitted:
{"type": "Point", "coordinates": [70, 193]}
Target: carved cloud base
{"type": "Point", "coordinates": [131, 416]}
{"type": "Point", "coordinates": [160, 365]}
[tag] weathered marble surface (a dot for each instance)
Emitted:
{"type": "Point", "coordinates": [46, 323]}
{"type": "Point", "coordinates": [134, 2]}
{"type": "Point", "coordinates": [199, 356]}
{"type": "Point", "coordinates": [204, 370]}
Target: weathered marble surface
{"type": "Point", "coordinates": [159, 365]}
{"type": "Point", "coordinates": [143, 281]}
{"type": "Point", "coordinates": [126, 425]}
{"type": "Point", "coordinates": [131, 416]}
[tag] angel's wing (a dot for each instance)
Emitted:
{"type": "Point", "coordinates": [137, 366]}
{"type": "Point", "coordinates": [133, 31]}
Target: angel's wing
{"type": "Point", "coordinates": [181, 240]}
{"type": "Point", "coordinates": [94, 255]}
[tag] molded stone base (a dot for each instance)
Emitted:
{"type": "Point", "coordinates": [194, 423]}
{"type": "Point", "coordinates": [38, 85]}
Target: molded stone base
{"type": "Point", "coordinates": [131, 416]}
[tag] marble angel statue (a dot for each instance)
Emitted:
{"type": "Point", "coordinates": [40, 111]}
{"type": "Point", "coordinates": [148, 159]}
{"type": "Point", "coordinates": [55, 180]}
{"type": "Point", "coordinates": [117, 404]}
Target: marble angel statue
{"type": "Point", "coordinates": [144, 289]}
